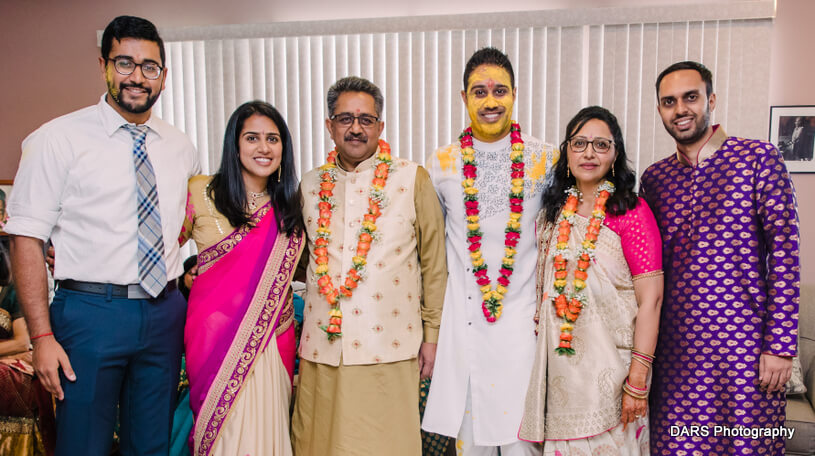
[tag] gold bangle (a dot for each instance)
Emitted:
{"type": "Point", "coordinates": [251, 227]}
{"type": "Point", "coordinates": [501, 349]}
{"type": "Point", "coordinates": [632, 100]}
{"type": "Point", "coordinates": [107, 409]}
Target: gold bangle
{"type": "Point", "coordinates": [642, 361]}
{"type": "Point", "coordinates": [634, 394]}
{"type": "Point", "coordinates": [649, 356]}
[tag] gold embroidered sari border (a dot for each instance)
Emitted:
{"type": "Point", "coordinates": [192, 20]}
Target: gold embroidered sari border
{"type": "Point", "coordinates": [17, 425]}
{"type": "Point", "coordinates": [253, 334]}
{"type": "Point", "coordinates": [207, 258]}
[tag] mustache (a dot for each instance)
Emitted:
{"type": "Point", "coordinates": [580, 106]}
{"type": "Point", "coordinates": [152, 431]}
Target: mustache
{"type": "Point", "coordinates": [147, 89]}
{"type": "Point", "coordinates": [356, 137]}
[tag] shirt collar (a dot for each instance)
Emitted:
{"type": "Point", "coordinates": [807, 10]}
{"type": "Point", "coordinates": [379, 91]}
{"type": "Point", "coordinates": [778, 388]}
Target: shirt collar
{"type": "Point", "coordinates": [708, 148]}
{"type": "Point", "coordinates": [363, 165]}
{"type": "Point", "coordinates": [112, 121]}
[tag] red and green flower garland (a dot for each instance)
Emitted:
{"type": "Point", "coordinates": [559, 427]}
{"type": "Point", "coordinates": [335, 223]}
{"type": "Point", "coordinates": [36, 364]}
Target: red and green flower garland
{"type": "Point", "coordinates": [569, 308]}
{"type": "Point", "coordinates": [367, 234]}
{"type": "Point", "coordinates": [492, 299]}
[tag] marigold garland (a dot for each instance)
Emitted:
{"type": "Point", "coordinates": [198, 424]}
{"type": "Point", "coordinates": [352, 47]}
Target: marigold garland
{"type": "Point", "coordinates": [367, 234]}
{"type": "Point", "coordinates": [492, 299]}
{"type": "Point", "coordinates": [569, 308]}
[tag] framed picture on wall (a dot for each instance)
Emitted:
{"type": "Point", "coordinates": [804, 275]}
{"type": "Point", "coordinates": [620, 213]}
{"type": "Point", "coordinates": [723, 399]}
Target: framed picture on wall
{"type": "Point", "coordinates": [792, 130]}
{"type": "Point", "coordinates": [5, 191]}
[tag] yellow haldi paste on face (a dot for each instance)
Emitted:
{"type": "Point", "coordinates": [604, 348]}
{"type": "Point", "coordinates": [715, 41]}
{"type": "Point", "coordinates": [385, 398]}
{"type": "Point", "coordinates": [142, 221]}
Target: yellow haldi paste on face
{"type": "Point", "coordinates": [489, 102]}
{"type": "Point", "coordinates": [112, 89]}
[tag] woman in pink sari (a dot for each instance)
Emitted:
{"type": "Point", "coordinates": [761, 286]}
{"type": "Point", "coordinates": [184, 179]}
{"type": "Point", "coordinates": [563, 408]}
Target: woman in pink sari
{"type": "Point", "coordinates": [239, 337]}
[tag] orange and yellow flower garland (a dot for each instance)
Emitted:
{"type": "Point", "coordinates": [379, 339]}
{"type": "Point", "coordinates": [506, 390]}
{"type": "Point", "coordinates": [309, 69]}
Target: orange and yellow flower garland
{"type": "Point", "coordinates": [367, 233]}
{"type": "Point", "coordinates": [492, 299]}
{"type": "Point", "coordinates": [569, 308]}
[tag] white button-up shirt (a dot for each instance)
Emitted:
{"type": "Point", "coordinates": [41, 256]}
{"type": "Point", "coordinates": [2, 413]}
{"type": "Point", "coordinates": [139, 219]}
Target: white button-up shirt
{"type": "Point", "coordinates": [76, 184]}
{"type": "Point", "coordinates": [496, 358]}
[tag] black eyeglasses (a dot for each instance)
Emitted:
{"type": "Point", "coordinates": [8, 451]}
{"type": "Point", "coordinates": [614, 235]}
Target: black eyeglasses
{"type": "Point", "coordinates": [600, 145]}
{"type": "Point", "coordinates": [126, 66]}
{"type": "Point", "coordinates": [347, 119]}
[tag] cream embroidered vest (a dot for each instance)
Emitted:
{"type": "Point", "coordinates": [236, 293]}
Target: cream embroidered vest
{"type": "Point", "coordinates": [382, 320]}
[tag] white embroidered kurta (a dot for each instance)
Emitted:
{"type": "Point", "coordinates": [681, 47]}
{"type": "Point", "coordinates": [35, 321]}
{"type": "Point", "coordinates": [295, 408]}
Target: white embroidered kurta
{"type": "Point", "coordinates": [496, 358]}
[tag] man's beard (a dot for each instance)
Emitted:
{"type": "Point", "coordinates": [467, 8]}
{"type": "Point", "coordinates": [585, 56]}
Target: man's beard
{"type": "Point", "coordinates": [130, 107]}
{"type": "Point", "coordinates": [700, 126]}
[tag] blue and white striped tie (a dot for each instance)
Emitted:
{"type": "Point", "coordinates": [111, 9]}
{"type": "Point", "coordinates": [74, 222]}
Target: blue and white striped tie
{"type": "Point", "coordinates": [152, 271]}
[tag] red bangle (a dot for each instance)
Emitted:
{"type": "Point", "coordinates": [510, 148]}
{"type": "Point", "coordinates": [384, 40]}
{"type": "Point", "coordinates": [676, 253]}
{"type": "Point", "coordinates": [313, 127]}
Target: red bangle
{"type": "Point", "coordinates": [41, 335]}
{"type": "Point", "coordinates": [639, 390]}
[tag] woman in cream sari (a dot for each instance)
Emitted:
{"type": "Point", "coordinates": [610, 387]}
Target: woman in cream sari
{"type": "Point", "coordinates": [600, 289]}
{"type": "Point", "coordinates": [239, 337]}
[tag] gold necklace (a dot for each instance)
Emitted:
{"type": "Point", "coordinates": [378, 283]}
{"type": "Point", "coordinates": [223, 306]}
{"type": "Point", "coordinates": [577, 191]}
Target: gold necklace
{"type": "Point", "coordinates": [255, 196]}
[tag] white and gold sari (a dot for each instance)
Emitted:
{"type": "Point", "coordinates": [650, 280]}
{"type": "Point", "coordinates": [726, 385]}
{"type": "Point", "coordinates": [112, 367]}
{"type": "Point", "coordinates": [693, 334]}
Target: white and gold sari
{"type": "Point", "coordinates": [574, 402]}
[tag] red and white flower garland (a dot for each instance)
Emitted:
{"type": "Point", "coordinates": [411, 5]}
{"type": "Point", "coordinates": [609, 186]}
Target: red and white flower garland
{"type": "Point", "coordinates": [367, 234]}
{"type": "Point", "coordinates": [492, 299]}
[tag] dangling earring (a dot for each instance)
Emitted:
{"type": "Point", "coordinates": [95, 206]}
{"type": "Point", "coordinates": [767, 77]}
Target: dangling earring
{"type": "Point", "coordinates": [567, 171]}
{"type": "Point", "coordinates": [279, 168]}
{"type": "Point", "coordinates": [612, 171]}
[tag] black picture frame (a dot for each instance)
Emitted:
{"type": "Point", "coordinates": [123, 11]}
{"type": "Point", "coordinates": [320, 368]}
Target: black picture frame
{"type": "Point", "coordinates": [792, 130]}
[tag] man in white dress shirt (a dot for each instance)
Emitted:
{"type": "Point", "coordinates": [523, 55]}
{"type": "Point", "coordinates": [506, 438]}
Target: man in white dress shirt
{"type": "Point", "coordinates": [107, 184]}
{"type": "Point", "coordinates": [487, 338]}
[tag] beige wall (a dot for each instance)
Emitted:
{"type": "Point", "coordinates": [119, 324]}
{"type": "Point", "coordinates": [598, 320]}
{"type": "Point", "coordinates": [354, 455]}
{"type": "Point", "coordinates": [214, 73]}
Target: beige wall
{"type": "Point", "coordinates": [49, 52]}
{"type": "Point", "coordinates": [791, 83]}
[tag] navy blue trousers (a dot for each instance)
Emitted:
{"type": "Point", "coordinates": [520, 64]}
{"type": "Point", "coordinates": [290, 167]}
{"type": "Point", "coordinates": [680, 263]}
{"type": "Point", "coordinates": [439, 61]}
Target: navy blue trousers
{"type": "Point", "coordinates": [123, 351]}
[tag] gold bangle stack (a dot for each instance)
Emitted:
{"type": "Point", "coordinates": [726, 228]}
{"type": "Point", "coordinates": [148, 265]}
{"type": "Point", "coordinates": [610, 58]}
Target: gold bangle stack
{"type": "Point", "coordinates": [646, 360]}
{"type": "Point", "coordinates": [636, 393]}
{"type": "Point", "coordinates": [643, 358]}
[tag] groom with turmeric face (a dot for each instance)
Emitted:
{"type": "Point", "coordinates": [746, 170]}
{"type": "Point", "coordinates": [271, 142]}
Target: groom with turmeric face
{"type": "Point", "coordinates": [489, 98]}
{"type": "Point", "coordinates": [489, 183]}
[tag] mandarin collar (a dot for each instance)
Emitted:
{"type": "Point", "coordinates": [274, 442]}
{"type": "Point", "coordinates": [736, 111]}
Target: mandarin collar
{"type": "Point", "coordinates": [363, 166]}
{"type": "Point", "coordinates": [708, 148]}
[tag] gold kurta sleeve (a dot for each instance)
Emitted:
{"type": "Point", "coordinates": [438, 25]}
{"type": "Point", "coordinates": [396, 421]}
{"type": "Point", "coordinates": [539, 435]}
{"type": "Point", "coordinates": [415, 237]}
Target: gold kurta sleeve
{"type": "Point", "coordinates": [429, 228]}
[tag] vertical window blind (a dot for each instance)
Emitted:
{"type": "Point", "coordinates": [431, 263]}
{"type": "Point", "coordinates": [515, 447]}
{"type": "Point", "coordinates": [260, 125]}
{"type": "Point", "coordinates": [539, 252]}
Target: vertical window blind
{"type": "Point", "coordinates": [563, 60]}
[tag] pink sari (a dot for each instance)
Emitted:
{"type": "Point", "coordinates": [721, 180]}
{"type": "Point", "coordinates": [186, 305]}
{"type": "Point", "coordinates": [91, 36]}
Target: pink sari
{"type": "Point", "coordinates": [240, 300]}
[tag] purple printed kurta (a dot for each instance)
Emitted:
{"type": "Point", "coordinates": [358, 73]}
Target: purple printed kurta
{"type": "Point", "coordinates": [730, 254]}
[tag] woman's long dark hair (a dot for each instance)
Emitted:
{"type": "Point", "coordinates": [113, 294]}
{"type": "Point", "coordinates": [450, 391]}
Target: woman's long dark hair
{"type": "Point", "coordinates": [623, 178]}
{"type": "Point", "coordinates": [227, 189]}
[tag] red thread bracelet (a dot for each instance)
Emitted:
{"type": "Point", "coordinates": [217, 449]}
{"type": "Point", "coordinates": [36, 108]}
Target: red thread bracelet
{"type": "Point", "coordinates": [41, 335]}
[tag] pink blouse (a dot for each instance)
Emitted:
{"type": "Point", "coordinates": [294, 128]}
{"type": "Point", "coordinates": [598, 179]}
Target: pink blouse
{"type": "Point", "coordinates": [640, 238]}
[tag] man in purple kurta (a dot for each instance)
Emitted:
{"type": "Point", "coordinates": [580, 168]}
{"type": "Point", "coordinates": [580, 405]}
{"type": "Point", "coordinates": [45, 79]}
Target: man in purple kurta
{"type": "Point", "coordinates": [727, 213]}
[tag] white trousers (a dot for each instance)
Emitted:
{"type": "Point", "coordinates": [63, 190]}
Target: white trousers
{"type": "Point", "coordinates": [465, 445]}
